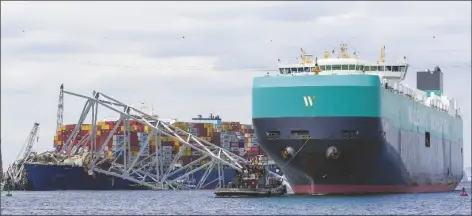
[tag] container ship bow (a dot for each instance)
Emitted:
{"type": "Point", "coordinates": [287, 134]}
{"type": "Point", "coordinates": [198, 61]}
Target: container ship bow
{"type": "Point", "coordinates": [339, 125]}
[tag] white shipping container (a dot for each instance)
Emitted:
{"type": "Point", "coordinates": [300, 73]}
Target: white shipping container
{"type": "Point", "coordinates": [227, 145]}
{"type": "Point", "coordinates": [167, 147]}
{"type": "Point", "coordinates": [166, 153]}
{"type": "Point", "coordinates": [234, 148]}
{"type": "Point", "coordinates": [117, 147]}
{"type": "Point", "coordinates": [167, 158]}
{"type": "Point", "coordinates": [118, 137]}
{"type": "Point", "coordinates": [166, 150]}
{"type": "Point", "coordinates": [166, 163]}
{"type": "Point", "coordinates": [143, 136]}
{"type": "Point", "coordinates": [117, 142]}
{"type": "Point", "coordinates": [143, 143]}
{"type": "Point", "coordinates": [196, 153]}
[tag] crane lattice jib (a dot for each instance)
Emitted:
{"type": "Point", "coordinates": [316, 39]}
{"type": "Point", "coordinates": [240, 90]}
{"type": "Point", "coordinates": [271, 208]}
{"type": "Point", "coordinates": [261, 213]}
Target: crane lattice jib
{"type": "Point", "coordinates": [60, 107]}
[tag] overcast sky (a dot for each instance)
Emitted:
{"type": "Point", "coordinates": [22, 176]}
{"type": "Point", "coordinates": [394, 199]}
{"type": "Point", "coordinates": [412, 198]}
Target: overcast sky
{"type": "Point", "coordinates": [189, 58]}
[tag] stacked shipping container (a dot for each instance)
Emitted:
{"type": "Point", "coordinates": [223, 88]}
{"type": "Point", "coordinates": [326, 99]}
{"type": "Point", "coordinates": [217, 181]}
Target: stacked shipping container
{"type": "Point", "coordinates": [233, 136]}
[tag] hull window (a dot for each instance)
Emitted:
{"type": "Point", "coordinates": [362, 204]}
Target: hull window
{"type": "Point", "coordinates": [299, 134]}
{"type": "Point", "coordinates": [273, 135]}
{"type": "Point", "coordinates": [427, 141]}
{"type": "Point", "coordinates": [350, 134]}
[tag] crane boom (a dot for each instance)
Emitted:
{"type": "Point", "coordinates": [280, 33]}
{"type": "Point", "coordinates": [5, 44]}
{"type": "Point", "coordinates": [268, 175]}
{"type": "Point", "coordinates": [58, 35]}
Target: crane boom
{"type": "Point", "coordinates": [60, 107]}
{"type": "Point", "coordinates": [15, 174]}
{"type": "Point", "coordinates": [30, 142]}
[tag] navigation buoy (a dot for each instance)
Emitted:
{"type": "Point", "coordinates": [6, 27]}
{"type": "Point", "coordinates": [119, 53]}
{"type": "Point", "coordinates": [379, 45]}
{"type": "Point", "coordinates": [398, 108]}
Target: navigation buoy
{"type": "Point", "coordinates": [463, 193]}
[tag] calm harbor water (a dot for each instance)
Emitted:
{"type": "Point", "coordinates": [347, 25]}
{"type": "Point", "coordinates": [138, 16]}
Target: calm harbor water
{"type": "Point", "coordinates": [204, 203]}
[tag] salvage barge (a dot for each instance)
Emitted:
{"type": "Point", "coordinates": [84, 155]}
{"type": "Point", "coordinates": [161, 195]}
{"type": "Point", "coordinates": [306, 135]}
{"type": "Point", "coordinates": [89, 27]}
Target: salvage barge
{"type": "Point", "coordinates": [253, 181]}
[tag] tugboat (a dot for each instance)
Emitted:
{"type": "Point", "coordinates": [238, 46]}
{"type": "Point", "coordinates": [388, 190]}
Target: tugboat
{"type": "Point", "coordinates": [253, 181]}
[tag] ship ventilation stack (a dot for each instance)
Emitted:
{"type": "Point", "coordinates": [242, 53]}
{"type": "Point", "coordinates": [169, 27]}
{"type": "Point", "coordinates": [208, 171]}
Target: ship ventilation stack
{"type": "Point", "coordinates": [430, 81]}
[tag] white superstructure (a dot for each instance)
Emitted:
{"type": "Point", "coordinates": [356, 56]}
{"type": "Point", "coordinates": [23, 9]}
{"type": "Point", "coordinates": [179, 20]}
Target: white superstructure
{"type": "Point", "coordinates": [341, 63]}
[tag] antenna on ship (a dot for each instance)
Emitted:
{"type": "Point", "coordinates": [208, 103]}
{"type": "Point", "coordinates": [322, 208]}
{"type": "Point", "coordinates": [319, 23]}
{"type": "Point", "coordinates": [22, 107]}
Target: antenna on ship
{"type": "Point", "coordinates": [326, 54]}
{"type": "Point", "coordinates": [382, 55]}
{"type": "Point", "coordinates": [302, 55]}
{"type": "Point", "coordinates": [343, 49]}
{"type": "Point", "coordinates": [355, 54]}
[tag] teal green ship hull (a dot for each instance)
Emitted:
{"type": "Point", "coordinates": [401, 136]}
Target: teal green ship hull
{"type": "Point", "coordinates": [380, 135]}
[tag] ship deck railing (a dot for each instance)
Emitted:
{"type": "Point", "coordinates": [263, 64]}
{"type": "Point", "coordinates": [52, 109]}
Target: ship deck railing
{"type": "Point", "coordinates": [422, 97]}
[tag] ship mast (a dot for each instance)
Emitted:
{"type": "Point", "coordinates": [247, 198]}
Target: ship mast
{"type": "Point", "coordinates": [343, 51]}
{"type": "Point", "coordinates": [382, 55]}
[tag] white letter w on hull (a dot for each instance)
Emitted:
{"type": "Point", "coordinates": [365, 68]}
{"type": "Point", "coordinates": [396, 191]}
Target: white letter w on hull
{"type": "Point", "coordinates": [308, 100]}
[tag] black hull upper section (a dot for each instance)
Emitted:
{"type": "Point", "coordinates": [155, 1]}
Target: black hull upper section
{"type": "Point", "coordinates": [366, 155]}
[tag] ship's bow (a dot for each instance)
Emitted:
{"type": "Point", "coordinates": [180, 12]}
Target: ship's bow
{"type": "Point", "coordinates": [324, 132]}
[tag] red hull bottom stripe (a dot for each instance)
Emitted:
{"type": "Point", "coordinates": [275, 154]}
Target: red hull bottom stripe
{"type": "Point", "coordinates": [343, 189]}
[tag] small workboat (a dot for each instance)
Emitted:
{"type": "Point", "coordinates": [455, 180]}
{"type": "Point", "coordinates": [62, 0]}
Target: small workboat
{"type": "Point", "coordinates": [253, 181]}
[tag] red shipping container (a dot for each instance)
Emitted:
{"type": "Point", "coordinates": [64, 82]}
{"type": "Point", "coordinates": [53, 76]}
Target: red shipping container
{"type": "Point", "coordinates": [254, 149]}
{"type": "Point", "coordinates": [202, 132]}
{"type": "Point", "coordinates": [140, 127]}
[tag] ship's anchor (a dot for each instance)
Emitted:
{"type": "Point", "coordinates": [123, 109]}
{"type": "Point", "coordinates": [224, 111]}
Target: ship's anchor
{"type": "Point", "coordinates": [332, 153]}
{"type": "Point", "coordinates": [287, 153]}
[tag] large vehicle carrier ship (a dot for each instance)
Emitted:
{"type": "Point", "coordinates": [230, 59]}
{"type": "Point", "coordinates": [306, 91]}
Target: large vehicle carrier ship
{"type": "Point", "coordinates": [341, 125]}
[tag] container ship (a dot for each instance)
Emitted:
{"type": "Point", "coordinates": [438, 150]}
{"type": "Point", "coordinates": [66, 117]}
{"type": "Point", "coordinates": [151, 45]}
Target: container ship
{"type": "Point", "coordinates": [72, 175]}
{"type": "Point", "coordinates": [339, 125]}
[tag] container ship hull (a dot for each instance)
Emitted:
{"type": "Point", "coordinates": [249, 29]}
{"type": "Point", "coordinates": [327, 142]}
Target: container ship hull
{"type": "Point", "coordinates": [356, 137]}
{"type": "Point", "coordinates": [47, 177]}
{"type": "Point", "coordinates": [362, 166]}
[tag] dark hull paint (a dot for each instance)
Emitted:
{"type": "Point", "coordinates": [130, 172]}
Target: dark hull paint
{"type": "Point", "coordinates": [54, 177]}
{"type": "Point", "coordinates": [370, 164]}
{"type": "Point", "coordinates": [45, 177]}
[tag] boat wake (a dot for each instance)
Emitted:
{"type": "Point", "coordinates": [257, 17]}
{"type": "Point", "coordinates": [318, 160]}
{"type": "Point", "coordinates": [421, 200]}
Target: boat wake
{"type": "Point", "coordinates": [285, 182]}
